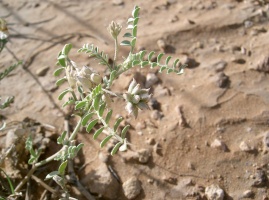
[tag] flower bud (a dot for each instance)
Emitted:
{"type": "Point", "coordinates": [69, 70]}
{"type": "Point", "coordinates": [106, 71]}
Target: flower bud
{"type": "Point", "coordinates": [3, 29]}
{"type": "Point", "coordinates": [71, 76]}
{"type": "Point", "coordinates": [96, 78]}
{"type": "Point", "coordinates": [136, 89]}
{"type": "Point", "coordinates": [114, 29]}
{"type": "Point", "coordinates": [135, 99]}
{"type": "Point", "coordinates": [86, 83]}
{"type": "Point", "coordinates": [132, 85]}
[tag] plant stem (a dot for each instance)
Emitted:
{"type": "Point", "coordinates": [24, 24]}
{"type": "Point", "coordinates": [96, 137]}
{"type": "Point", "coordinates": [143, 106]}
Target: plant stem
{"type": "Point", "coordinates": [73, 135]}
{"type": "Point", "coordinates": [116, 53]}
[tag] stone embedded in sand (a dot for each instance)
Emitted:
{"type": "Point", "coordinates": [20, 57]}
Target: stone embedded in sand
{"type": "Point", "coordinates": [144, 155]}
{"type": "Point", "coordinates": [42, 71]}
{"type": "Point", "coordinates": [214, 192]}
{"type": "Point", "coordinates": [247, 194]}
{"type": "Point", "coordinates": [156, 115]}
{"type": "Point", "coordinates": [151, 79]}
{"type": "Point", "coordinates": [218, 144]}
{"type": "Point", "coordinates": [161, 44]}
{"type": "Point", "coordinates": [244, 146]}
{"type": "Point", "coordinates": [190, 62]}
{"type": "Point", "coordinates": [260, 178]}
{"type": "Point", "coordinates": [266, 141]}
{"type": "Point", "coordinates": [263, 65]}
{"type": "Point", "coordinates": [101, 181]}
{"type": "Point", "coordinates": [223, 80]}
{"type": "Point", "coordinates": [118, 2]}
{"type": "Point", "coordinates": [220, 66]}
{"type": "Point", "coordinates": [131, 188]}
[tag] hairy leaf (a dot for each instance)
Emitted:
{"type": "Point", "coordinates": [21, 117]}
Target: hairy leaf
{"type": "Point", "coordinates": [116, 148]}
{"type": "Point", "coordinates": [61, 81]}
{"type": "Point", "coordinates": [108, 116]}
{"type": "Point", "coordinates": [86, 118]}
{"type": "Point", "coordinates": [124, 131]}
{"type": "Point", "coordinates": [91, 125]}
{"type": "Point", "coordinates": [104, 141]}
{"type": "Point", "coordinates": [62, 167]}
{"type": "Point", "coordinates": [98, 132]}
{"type": "Point", "coordinates": [117, 123]}
{"type": "Point", "coordinates": [58, 71]}
{"type": "Point", "coordinates": [61, 96]}
{"type": "Point", "coordinates": [125, 43]}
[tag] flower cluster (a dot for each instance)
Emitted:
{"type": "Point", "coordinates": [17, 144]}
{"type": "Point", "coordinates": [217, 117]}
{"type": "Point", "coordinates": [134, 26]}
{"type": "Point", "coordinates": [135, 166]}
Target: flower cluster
{"type": "Point", "coordinates": [114, 29]}
{"type": "Point", "coordinates": [3, 29]}
{"type": "Point", "coordinates": [84, 77]}
{"type": "Point", "coordinates": [136, 98]}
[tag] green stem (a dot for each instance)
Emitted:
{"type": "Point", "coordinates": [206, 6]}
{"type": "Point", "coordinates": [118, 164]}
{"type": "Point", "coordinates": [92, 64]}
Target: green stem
{"type": "Point", "coordinates": [73, 135]}
{"type": "Point", "coordinates": [116, 53]}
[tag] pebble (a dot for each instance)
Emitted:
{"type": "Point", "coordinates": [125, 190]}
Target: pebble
{"type": "Point", "coordinates": [154, 104]}
{"type": "Point", "coordinates": [214, 192]}
{"type": "Point", "coordinates": [103, 157]}
{"type": "Point", "coordinates": [150, 141]}
{"type": "Point", "coordinates": [260, 178]}
{"type": "Point", "coordinates": [140, 126]}
{"type": "Point", "coordinates": [118, 2]}
{"type": "Point", "coordinates": [190, 166]}
{"type": "Point", "coordinates": [162, 45]}
{"type": "Point", "coordinates": [266, 140]}
{"type": "Point", "coordinates": [220, 66]}
{"type": "Point", "coordinates": [239, 60]}
{"type": "Point", "coordinates": [101, 181]}
{"type": "Point", "coordinates": [190, 62]}
{"type": "Point", "coordinates": [161, 91]}
{"type": "Point", "coordinates": [151, 79]}
{"type": "Point", "coordinates": [42, 71]}
{"type": "Point", "coordinates": [223, 80]}
{"type": "Point", "coordinates": [247, 194]}
{"type": "Point", "coordinates": [144, 155]}
{"type": "Point", "coordinates": [248, 23]}
{"type": "Point", "coordinates": [263, 66]}
{"type": "Point", "coordinates": [131, 188]}
{"type": "Point", "coordinates": [156, 115]}
{"type": "Point", "coordinates": [245, 147]}
{"type": "Point", "coordinates": [218, 144]}
{"type": "Point", "coordinates": [182, 120]}
{"type": "Point", "coordinates": [171, 180]}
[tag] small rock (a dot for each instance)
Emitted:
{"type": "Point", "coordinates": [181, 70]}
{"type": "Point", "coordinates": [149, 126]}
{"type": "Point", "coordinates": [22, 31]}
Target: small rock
{"type": "Point", "coordinates": [244, 147]}
{"type": "Point", "coordinates": [131, 188]}
{"type": "Point", "coordinates": [191, 22]}
{"type": "Point", "coordinates": [248, 24]}
{"type": "Point", "coordinates": [190, 62]}
{"type": "Point", "coordinates": [144, 155]}
{"type": "Point", "coordinates": [101, 181]}
{"type": "Point", "coordinates": [182, 120]}
{"type": "Point", "coordinates": [171, 180]}
{"type": "Point", "coordinates": [140, 126]}
{"type": "Point", "coordinates": [151, 79]}
{"type": "Point", "coordinates": [156, 115]}
{"type": "Point", "coordinates": [218, 144]}
{"type": "Point", "coordinates": [260, 178]}
{"type": "Point", "coordinates": [103, 157]}
{"type": "Point", "coordinates": [214, 192]}
{"type": "Point", "coordinates": [154, 104]}
{"type": "Point", "coordinates": [248, 194]}
{"type": "Point", "coordinates": [150, 141]}
{"type": "Point", "coordinates": [266, 140]}
{"type": "Point", "coordinates": [220, 66]}
{"type": "Point", "coordinates": [190, 166]}
{"type": "Point", "coordinates": [117, 2]}
{"type": "Point", "coordinates": [174, 19]}
{"type": "Point", "coordinates": [161, 91]}
{"type": "Point", "coordinates": [161, 44]}
{"type": "Point", "coordinates": [239, 60]}
{"type": "Point", "coordinates": [263, 66]}
{"type": "Point", "coordinates": [223, 80]}
{"type": "Point", "coordinates": [42, 71]}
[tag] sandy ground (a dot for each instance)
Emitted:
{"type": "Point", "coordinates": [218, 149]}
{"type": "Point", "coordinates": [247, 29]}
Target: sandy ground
{"type": "Point", "coordinates": [212, 122]}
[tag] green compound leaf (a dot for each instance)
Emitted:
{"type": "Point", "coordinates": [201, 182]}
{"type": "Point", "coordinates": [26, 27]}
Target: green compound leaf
{"type": "Point", "coordinates": [67, 49]}
{"type": "Point", "coordinates": [135, 12]}
{"type": "Point", "coordinates": [81, 104]}
{"type": "Point", "coordinates": [159, 57]}
{"type": "Point", "coordinates": [98, 132]}
{"type": "Point", "coordinates": [104, 141]}
{"type": "Point", "coordinates": [96, 102]}
{"type": "Point", "coordinates": [117, 123]}
{"type": "Point", "coordinates": [91, 125]}
{"type": "Point", "coordinates": [61, 60]}
{"type": "Point", "coordinates": [134, 31]}
{"type": "Point", "coordinates": [133, 42]}
{"type": "Point", "coordinates": [125, 43]}
{"type": "Point", "coordinates": [150, 55]}
{"type": "Point", "coordinates": [86, 118]}
{"type": "Point", "coordinates": [141, 55]}
{"type": "Point", "coordinates": [129, 35]}
{"type": "Point", "coordinates": [116, 148]}
{"type": "Point", "coordinates": [144, 63]}
{"type": "Point", "coordinates": [62, 168]}
{"type": "Point", "coordinates": [167, 60]}
{"type": "Point", "coordinates": [58, 71]}
{"type": "Point", "coordinates": [51, 175]}
{"type": "Point", "coordinates": [124, 131]}
{"type": "Point", "coordinates": [61, 138]}
{"type": "Point", "coordinates": [101, 109]}
{"type": "Point", "coordinates": [108, 116]}
{"type": "Point", "coordinates": [61, 96]}
{"type": "Point", "coordinates": [61, 81]}
{"type": "Point", "coordinates": [135, 62]}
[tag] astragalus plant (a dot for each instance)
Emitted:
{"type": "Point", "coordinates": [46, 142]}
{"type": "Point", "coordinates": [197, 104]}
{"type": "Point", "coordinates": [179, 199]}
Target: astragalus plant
{"type": "Point", "coordinates": [90, 94]}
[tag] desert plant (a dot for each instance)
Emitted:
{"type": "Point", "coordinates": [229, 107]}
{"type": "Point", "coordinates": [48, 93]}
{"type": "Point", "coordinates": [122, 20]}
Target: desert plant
{"type": "Point", "coordinates": [90, 94]}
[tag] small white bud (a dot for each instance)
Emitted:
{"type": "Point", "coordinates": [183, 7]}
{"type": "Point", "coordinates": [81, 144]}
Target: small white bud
{"type": "Point", "coordinates": [132, 85]}
{"type": "Point", "coordinates": [136, 89]}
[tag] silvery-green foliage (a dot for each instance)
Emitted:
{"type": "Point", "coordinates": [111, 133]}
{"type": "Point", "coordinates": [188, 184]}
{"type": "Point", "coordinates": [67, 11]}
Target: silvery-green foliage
{"type": "Point", "coordinates": [92, 105]}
